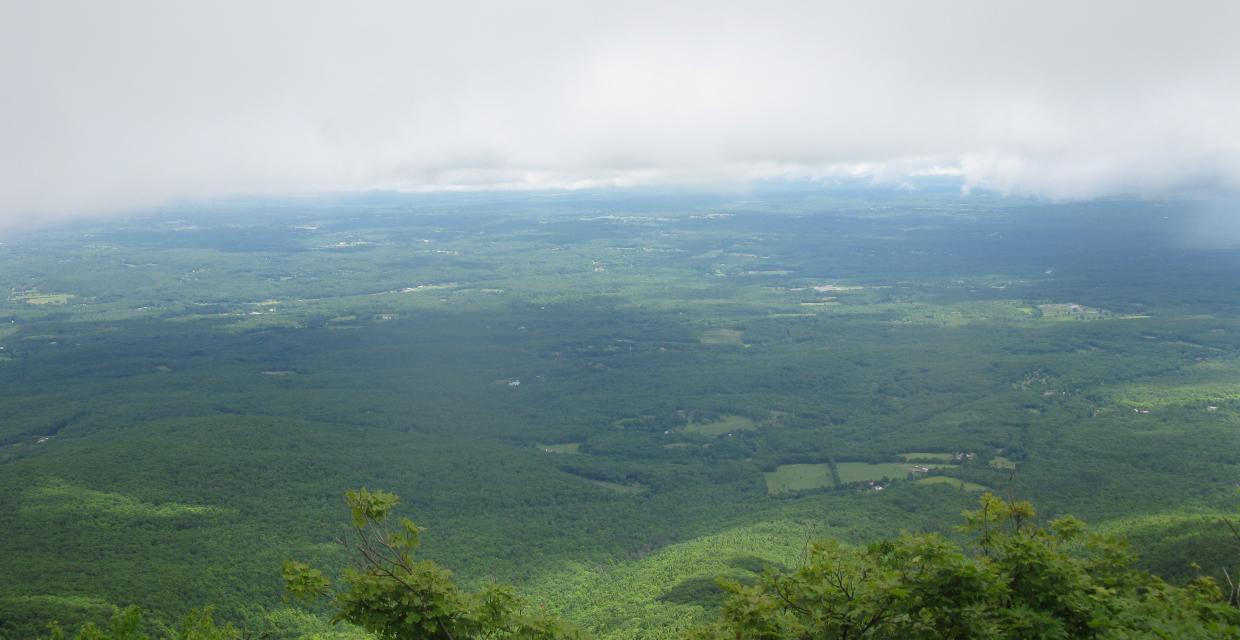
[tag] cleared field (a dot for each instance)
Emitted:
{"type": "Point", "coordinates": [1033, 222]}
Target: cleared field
{"type": "Point", "coordinates": [798, 477]}
{"type": "Point", "coordinates": [1068, 311]}
{"type": "Point", "coordinates": [43, 298]}
{"type": "Point", "coordinates": [721, 336]}
{"type": "Point", "coordinates": [57, 496]}
{"type": "Point", "coordinates": [925, 455]}
{"type": "Point", "coordinates": [865, 472]}
{"type": "Point", "coordinates": [566, 447]}
{"type": "Point", "coordinates": [953, 482]}
{"type": "Point", "coordinates": [725, 424]}
{"type": "Point", "coordinates": [999, 462]}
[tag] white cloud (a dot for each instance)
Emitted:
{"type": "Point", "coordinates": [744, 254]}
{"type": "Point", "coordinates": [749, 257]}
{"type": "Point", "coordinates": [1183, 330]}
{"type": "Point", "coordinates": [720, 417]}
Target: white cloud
{"type": "Point", "coordinates": [122, 104]}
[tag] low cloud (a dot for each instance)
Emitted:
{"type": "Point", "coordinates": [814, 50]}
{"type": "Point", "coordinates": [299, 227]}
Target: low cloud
{"type": "Point", "coordinates": [110, 106]}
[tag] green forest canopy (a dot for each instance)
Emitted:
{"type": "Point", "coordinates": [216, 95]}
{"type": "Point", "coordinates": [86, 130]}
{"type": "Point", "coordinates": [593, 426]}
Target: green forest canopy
{"type": "Point", "coordinates": [1017, 579]}
{"type": "Point", "coordinates": [653, 389]}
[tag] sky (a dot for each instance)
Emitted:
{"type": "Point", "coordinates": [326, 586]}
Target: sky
{"type": "Point", "coordinates": [117, 105]}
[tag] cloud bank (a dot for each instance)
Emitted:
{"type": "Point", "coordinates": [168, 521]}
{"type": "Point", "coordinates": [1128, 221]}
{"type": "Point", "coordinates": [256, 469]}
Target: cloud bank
{"type": "Point", "coordinates": [120, 104]}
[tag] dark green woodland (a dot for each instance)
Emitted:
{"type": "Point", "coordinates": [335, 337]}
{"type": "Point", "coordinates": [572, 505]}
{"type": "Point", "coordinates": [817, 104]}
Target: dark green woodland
{"type": "Point", "coordinates": [646, 413]}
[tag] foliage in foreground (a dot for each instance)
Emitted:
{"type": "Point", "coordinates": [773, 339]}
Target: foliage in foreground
{"type": "Point", "coordinates": [393, 595]}
{"type": "Point", "coordinates": [1020, 580]}
{"type": "Point", "coordinates": [1024, 581]}
{"type": "Point", "coordinates": [199, 624]}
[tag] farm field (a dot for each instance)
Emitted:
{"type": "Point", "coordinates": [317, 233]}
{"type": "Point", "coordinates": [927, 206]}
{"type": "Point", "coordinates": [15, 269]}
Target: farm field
{"type": "Point", "coordinates": [1000, 462]}
{"type": "Point", "coordinates": [36, 298]}
{"type": "Point", "coordinates": [954, 483]}
{"type": "Point", "coordinates": [867, 472]}
{"type": "Point", "coordinates": [798, 477]}
{"type": "Point", "coordinates": [802, 477]}
{"type": "Point", "coordinates": [928, 456]}
{"type": "Point", "coordinates": [722, 336]}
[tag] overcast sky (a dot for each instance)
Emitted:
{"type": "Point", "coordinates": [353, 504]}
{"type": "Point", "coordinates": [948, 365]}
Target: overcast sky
{"type": "Point", "coordinates": [108, 105]}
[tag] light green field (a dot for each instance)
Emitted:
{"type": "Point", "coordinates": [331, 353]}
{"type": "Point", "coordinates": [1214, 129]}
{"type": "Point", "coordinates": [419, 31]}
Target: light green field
{"type": "Point", "coordinates": [1069, 311]}
{"type": "Point", "coordinates": [953, 482]}
{"type": "Point", "coordinates": [1158, 524]}
{"type": "Point", "coordinates": [801, 477]}
{"type": "Point", "coordinates": [37, 298]}
{"type": "Point", "coordinates": [725, 424]}
{"type": "Point", "coordinates": [56, 496]}
{"type": "Point", "coordinates": [721, 336]}
{"type": "Point", "coordinates": [999, 462]}
{"type": "Point", "coordinates": [566, 447]}
{"type": "Point", "coordinates": [943, 315]}
{"type": "Point", "coordinates": [923, 455]}
{"type": "Point", "coordinates": [798, 477]}
{"type": "Point", "coordinates": [865, 472]}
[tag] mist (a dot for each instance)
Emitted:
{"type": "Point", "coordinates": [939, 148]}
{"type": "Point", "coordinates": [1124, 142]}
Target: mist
{"type": "Point", "coordinates": [113, 106]}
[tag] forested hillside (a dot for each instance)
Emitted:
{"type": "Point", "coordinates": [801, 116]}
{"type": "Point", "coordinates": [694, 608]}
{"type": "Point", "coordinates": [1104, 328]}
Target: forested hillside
{"type": "Point", "coordinates": [605, 399]}
{"type": "Point", "coordinates": [1019, 579]}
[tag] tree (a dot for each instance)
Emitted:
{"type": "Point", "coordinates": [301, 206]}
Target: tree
{"type": "Point", "coordinates": [1020, 580]}
{"type": "Point", "coordinates": [127, 624]}
{"type": "Point", "coordinates": [394, 595]}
